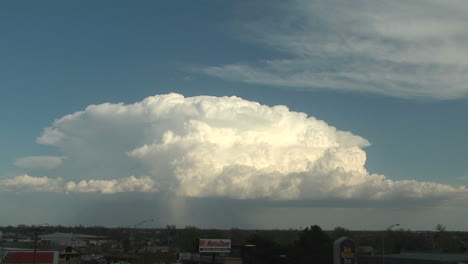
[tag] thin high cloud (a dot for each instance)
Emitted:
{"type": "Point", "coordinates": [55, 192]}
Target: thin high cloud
{"type": "Point", "coordinates": [43, 162]}
{"type": "Point", "coordinates": [407, 49]}
{"type": "Point", "coordinates": [219, 147]}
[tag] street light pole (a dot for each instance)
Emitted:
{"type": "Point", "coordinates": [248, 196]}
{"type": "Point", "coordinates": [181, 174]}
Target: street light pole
{"type": "Point", "coordinates": [383, 241]}
{"type": "Point", "coordinates": [35, 244]}
{"type": "Point", "coordinates": [36, 229]}
{"type": "Point", "coordinates": [134, 237]}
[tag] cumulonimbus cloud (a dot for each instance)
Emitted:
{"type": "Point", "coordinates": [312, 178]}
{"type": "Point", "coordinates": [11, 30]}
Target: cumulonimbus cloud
{"type": "Point", "coordinates": [221, 147]}
{"type": "Point", "coordinates": [408, 49]}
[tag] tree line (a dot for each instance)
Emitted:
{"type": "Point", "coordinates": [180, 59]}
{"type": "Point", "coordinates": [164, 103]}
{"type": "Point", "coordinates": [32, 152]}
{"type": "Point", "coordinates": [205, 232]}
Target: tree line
{"type": "Point", "coordinates": [273, 246]}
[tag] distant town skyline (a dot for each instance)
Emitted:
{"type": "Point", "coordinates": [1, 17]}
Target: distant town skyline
{"type": "Point", "coordinates": [235, 114]}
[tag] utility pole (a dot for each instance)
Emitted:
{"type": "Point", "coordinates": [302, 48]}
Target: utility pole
{"type": "Point", "coordinates": [36, 229]}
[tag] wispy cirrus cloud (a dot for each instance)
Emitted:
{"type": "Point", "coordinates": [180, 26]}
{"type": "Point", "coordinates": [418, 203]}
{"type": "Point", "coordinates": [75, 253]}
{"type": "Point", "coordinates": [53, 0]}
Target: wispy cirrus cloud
{"type": "Point", "coordinates": [407, 49]}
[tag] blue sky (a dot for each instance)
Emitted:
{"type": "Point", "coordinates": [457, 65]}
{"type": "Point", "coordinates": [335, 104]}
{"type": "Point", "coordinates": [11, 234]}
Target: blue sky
{"type": "Point", "coordinates": [389, 73]}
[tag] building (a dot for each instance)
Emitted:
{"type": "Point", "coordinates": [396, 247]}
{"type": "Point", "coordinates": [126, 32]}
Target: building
{"type": "Point", "coordinates": [69, 255]}
{"type": "Point", "coordinates": [71, 239]}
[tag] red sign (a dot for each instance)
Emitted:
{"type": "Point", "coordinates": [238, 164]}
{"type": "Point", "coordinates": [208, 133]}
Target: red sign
{"type": "Point", "coordinates": [214, 245]}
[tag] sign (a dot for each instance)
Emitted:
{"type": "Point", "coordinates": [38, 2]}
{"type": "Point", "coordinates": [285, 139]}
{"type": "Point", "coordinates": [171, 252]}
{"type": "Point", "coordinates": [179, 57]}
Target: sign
{"type": "Point", "coordinates": [214, 245]}
{"type": "Point", "coordinates": [344, 251]}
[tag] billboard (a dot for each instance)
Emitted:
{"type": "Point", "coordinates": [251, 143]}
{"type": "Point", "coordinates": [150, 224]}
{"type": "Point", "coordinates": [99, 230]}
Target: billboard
{"type": "Point", "coordinates": [214, 245]}
{"type": "Point", "coordinates": [19, 256]}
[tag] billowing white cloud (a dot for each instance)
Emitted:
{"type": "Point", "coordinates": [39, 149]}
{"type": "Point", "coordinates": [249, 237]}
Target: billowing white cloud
{"type": "Point", "coordinates": [44, 162]}
{"type": "Point", "coordinates": [409, 49]}
{"type": "Point", "coordinates": [224, 147]}
{"type": "Point", "coordinates": [26, 183]}
{"type": "Point", "coordinates": [130, 184]}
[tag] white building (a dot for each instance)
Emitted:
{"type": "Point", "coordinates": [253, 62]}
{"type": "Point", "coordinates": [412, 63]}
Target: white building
{"type": "Point", "coordinates": [71, 239]}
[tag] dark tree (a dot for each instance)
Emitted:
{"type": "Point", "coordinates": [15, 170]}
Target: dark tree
{"type": "Point", "coordinates": [341, 232]}
{"type": "Point", "coordinates": [263, 250]}
{"type": "Point", "coordinates": [187, 237]}
{"type": "Point", "coordinates": [314, 246]}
